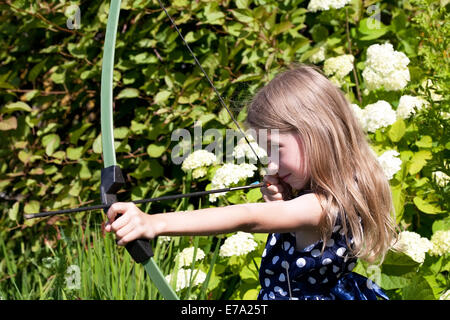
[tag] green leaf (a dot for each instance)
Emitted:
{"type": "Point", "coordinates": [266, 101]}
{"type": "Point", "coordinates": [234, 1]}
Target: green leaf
{"type": "Point", "coordinates": [8, 124]}
{"type": "Point", "coordinates": [397, 130]}
{"type": "Point", "coordinates": [425, 142]}
{"type": "Point", "coordinates": [162, 97]}
{"type": "Point", "coordinates": [51, 143]}
{"type": "Point", "coordinates": [121, 133]}
{"type": "Point", "coordinates": [254, 195]}
{"type": "Point", "coordinates": [128, 93]}
{"type": "Point", "coordinates": [32, 207]}
{"type": "Point", "coordinates": [156, 150]}
{"type": "Point", "coordinates": [16, 106]}
{"type": "Point", "coordinates": [419, 289]}
{"type": "Point", "coordinates": [12, 213]}
{"type": "Point", "coordinates": [425, 206]}
{"type": "Point", "coordinates": [74, 153]}
{"type": "Point", "coordinates": [418, 161]}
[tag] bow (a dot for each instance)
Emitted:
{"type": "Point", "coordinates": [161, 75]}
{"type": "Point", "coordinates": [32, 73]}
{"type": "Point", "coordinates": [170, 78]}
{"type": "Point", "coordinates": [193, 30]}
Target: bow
{"type": "Point", "coordinates": [111, 176]}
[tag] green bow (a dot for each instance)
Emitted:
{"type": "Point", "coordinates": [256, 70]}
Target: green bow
{"type": "Point", "coordinates": [112, 178]}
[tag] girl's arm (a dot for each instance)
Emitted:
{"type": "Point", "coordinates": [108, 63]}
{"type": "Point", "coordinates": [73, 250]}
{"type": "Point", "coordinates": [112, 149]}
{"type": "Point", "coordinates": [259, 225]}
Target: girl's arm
{"type": "Point", "coordinates": [276, 216]}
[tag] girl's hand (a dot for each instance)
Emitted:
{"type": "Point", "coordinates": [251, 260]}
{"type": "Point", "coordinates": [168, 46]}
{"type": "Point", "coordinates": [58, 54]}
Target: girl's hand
{"type": "Point", "coordinates": [131, 223]}
{"type": "Point", "coordinates": [278, 190]}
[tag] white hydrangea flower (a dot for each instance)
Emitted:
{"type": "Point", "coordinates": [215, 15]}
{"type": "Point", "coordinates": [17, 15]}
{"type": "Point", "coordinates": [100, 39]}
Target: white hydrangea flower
{"type": "Point", "coordinates": [359, 114]}
{"type": "Point", "coordinates": [390, 163]}
{"type": "Point", "coordinates": [440, 241]}
{"type": "Point", "coordinates": [441, 178]}
{"type": "Point", "coordinates": [322, 5]}
{"type": "Point", "coordinates": [319, 56]}
{"type": "Point", "coordinates": [445, 295]}
{"type": "Point", "coordinates": [413, 245]}
{"type": "Point", "coordinates": [243, 150]}
{"type": "Point", "coordinates": [385, 67]}
{"type": "Point", "coordinates": [407, 104]}
{"type": "Point", "coordinates": [186, 256]}
{"type": "Point", "coordinates": [378, 115]}
{"type": "Point", "coordinates": [183, 277]}
{"type": "Point", "coordinates": [230, 174]}
{"type": "Point", "coordinates": [199, 159]}
{"type": "Point", "coordinates": [238, 244]}
{"type": "Point", "coordinates": [339, 66]}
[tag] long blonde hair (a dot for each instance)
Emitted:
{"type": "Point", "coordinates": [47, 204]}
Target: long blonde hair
{"type": "Point", "coordinates": [345, 173]}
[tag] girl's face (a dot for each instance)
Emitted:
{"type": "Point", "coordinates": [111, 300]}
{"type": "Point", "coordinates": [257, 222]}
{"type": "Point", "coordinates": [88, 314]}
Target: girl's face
{"type": "Point", "coordinates": [288, 163]}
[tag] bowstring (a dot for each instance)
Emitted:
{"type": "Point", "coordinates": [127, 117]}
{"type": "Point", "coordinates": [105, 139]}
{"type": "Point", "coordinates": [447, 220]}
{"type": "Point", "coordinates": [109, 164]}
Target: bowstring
{"type": "Point", "coordinates": [222, 102]}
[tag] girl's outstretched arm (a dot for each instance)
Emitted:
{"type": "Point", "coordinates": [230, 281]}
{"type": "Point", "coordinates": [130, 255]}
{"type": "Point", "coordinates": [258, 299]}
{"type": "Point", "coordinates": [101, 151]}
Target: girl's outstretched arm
{"type": "Point", "coordinates": [278, 216]}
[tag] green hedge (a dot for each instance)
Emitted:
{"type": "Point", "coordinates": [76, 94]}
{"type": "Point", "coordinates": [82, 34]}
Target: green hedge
{"type": "Point", "coordinates": [50, 107]}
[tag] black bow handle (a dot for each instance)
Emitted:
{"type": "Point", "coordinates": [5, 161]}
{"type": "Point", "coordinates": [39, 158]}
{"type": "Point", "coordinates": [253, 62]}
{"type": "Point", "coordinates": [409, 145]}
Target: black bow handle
{"type": "Point", "coordinates": [112, 181]}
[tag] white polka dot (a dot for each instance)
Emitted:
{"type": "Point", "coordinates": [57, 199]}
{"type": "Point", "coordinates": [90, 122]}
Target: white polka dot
{"type": "Point", "coordinates": [300, 262]}
{"type": "Point", "coordinates": [325, 280]}
{"type": "Point", "coordinates": [286, 245]}
{"type": "Point", "coordinates": [268, 271]}
{"type": "Point", "coordinates": [336, 228]}
{"type": "Point", "coordinates": [280, 291]}
{"type": "Point", "coordinates": [264, 252]}
{"type": "Point", "coordinates": [273, 240]}
{"type": "Point", "coordinates": [330, 242]}
{"type": "Point", "coordinates": [335, 268]}
{"type": "Point", "coordinates": [309, 248]}
{"type": "Point", "coordinates": [285, 264]}
{"type": "Point", "coordinates": [271, 295]}
{"type": "Point", "coordinates": [351, 266]}
{"type": "Point", "coordinates": [265, 296]}
{"type": "Point", "coordinates": [312, 280]}
{"type": "Point", "coordinates": [323, 270]}
{"type": "Point", "coordinates": [369, 284]}
{"type": "Point", "coordinates": [326, 261]}
{"type": "Point", "coordinates": [267, 282]}
{"type": "Point", "coordinates": [291, 250]}
{"type": "Point", "coordinates": [315, 253]}
{"type": "Point", "coordinates": [275, 259]}
{"type": "Point", "coordinates": [282, 278]}
{"type": "Point", "coordinates": [340, 252]}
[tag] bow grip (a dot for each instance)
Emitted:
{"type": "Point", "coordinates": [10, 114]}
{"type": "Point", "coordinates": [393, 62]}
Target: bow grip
{"type": "Point", "coordinates": [111, 182]}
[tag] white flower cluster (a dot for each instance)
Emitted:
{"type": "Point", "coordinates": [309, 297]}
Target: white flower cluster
{"type": "Point", "coordinates": [230, 174]}
{"type": "Point", "coordinates": [318, 56]}
{"type": "Point", "coordinates": [376, 115]}
{"type": "Point", "coordinates": [186, 256]}
{"type": "Point", "coordinates": [243, 150]}
{"type": "Point", "coordinates": [322, 5]}
{"type": "Point", "coordinates": [338, 67]}
{"type": "Point", "coordinates": [407, 104]}
{"type": "Point", "coordinates": [390, 163]}
{"type": "Point", "coordinates": [385, 67]}
{"type": "Point", "coordinates": [441, 178]}
{"type": "Point", "coordinates": [184, 276]}
{"type": "Point", "coordinates": [445, 295]}
{"type": "Point", "coordinates": [198, 161]}
{"type": "Point", "coordinates": [238, 244]}
{"type": "Point", "coordinates": [441, 243]}
{"type": "Point", "coordinates": [413, 245]}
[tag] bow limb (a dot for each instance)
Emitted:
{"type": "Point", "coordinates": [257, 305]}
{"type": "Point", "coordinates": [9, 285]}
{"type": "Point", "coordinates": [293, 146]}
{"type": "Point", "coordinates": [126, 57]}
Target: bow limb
{"type": "Point", "coordinates": [111, 178]}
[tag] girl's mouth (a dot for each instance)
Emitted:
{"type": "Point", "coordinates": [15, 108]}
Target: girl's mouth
{"type": "Point", "coordinates": [284, 178]}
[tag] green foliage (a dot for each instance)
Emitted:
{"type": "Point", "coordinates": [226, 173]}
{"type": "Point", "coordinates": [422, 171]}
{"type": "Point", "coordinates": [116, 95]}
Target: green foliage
{"type": "Point", "coordinates": [50, 142]}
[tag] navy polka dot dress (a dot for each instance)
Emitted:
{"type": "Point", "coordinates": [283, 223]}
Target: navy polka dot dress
{"type": "Point", "coordinates": [286, 273]}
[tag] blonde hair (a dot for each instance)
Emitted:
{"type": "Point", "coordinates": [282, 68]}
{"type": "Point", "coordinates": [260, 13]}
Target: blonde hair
{"type": "Point", "coordinates": [345, 173]}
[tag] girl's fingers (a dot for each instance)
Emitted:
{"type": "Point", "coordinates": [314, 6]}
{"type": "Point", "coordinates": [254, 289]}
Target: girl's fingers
{"type": "Point", "coordinates": [130, 236]}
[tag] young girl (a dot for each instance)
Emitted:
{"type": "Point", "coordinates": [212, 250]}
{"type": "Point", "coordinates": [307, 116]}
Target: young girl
{"type": "Point", "coordinates": [328, 203]}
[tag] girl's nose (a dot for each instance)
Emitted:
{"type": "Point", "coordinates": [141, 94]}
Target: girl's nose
{"type": "Point", "coordinates": [272, 168]}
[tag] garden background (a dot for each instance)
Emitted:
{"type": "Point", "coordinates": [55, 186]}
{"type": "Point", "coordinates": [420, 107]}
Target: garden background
{"type": "Point", "coordinates": [50, 146]}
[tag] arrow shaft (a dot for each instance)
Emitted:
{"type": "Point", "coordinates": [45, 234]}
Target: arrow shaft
{"type": "Point", "coordinates": [169, 197]}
